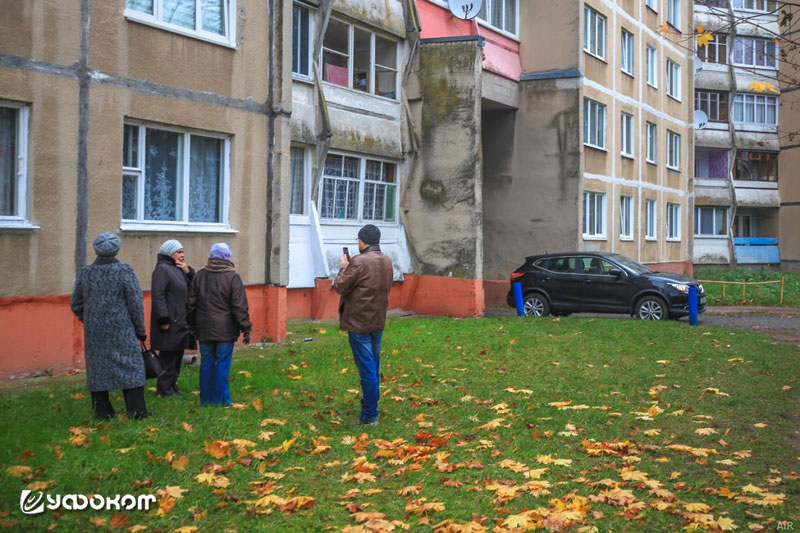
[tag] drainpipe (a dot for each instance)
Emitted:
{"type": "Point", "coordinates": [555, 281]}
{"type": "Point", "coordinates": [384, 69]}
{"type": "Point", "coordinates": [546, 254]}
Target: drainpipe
{"type": "Point", "coordinates": [82, 207]}
{"type": "Point", "coordinates": [270, 141]}
{"type": "Point", "coordinates": [732, 132]}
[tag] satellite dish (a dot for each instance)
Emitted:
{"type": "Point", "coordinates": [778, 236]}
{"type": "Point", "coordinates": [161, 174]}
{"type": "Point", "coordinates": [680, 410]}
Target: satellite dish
{"type": "Point", "coordinates": [465, 9]}
{"type": "Point", "coordinates": [700, 119]}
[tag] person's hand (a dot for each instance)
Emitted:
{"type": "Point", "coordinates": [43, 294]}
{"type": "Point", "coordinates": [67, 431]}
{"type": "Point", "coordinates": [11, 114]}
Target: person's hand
{"type": "Point", "coordinates": [183, 266]}
{"type": "Point", "coordinates": [343, 262]}
{"type": "Point", "coordinates": [165, 327]}
{"type": "Point", "coordinates": [246, 337]}
{"type": "Point", "coordinates": [141, 337]}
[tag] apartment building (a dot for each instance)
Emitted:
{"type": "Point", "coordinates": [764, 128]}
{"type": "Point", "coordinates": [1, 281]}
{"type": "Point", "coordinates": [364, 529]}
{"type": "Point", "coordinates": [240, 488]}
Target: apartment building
{"type": "Point", "coordinates": [736, 167]}
{"type": "Point", "coordinates": [789, 159]}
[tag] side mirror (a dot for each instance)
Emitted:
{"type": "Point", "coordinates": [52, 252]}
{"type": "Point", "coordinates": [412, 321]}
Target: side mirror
{"type": "Point", "coordinates": [615, 272]}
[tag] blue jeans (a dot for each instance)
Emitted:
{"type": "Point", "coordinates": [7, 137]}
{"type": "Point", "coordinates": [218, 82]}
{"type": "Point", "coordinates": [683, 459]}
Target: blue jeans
{"type": "Point", "coordinates": [367, 354]}
{"type": "Point", "coordinates": [215, 365]}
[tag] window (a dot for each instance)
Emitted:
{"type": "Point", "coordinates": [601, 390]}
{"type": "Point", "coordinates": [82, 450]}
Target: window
{"type": "Point", "coordinates": [712, 103]}
{"type": "Point", "coordinates": [13, 163]}
{"type": "Point", "coordinates": [711, 221]}
{"type": "Point", "coordinates": [745, 226]}
{"type": "Point", "coordinates": [652, 4]}
{"type": "Point", "coordinates": [650, 219]}
{"type": "Point", "coordinates": [626, 217]}
{"type": "Point", "coordinates": [207, 19]}
{"type": "Point", "coordinates": [297, 203]}
{"type": "Point", "coordinates": [565, 265]}
{"type": "Point", "coordinates": [755, 109]}
{"type": "Point", "coordinates": [626, 129]}
{"type": "Point", "coordinates": [673, 150]}
{"type": "Point", "coordinates": [351, 184]}
{"type": "Point", "coordinates": [752, 52]}
{"type": "Point", "coordinates": [710, 163]}
{"type": "Point", "coordinates": [596, 266]}
{"type": "Point", "coordinates": [674, 13]}
{"type": "Point", "coordinates": [651, 62]}
{"type": "Point", "coordinates": [502, 14]}
{"type": "Point", "coordinates": [756, 5]}
{"type": "Point", "coordinates": [673, 80]}
{"type": "Point", "coordinates": [652, 143]}
{"type": "Point", "coordinates": [301, 45]}
{"type": "Point", "coordinates": [673, 222]}
{"type": "Point", "coordinates": [594, 209]}
{"type": "Point", "coordinates": [594, 32]}
{"type": "Point", "coordinates": [374, 60]}
{"type": "Point", "coordinates": [627, 52]}
{"type": "Point", "coordinates": [173, 175]}
{"type": "Point", "coordinates": [758, 166]}
{"type": "Point", "coordinates": [594, 123]}
{"type": "Point", "coordinates": [716, 51]}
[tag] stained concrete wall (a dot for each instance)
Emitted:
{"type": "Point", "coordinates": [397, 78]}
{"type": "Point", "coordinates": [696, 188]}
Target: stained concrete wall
{"type": "Point", "coordinates": [788, 163]}
{"type": "Point", "coordinates": [532, 175]}
{"type": "Point", "coordinates": [443, 199]}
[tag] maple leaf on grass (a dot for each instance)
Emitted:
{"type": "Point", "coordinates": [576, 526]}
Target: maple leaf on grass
{"type": "Point", "coordinates": [218, 449]}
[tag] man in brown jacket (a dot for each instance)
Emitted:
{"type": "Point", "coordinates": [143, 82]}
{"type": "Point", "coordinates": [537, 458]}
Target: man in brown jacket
{"type": "Point", "coordinates": [364, 281]}
{"type": "Point", "coordinates": [217, 309]}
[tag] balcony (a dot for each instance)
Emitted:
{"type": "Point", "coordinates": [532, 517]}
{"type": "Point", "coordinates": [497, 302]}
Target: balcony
{"type": "Point", "coordinates": [757, 250]}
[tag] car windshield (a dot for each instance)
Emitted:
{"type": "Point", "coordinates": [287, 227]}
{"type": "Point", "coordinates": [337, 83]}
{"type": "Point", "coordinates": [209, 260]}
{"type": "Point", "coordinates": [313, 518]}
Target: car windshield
{"type": "Point", "coordinates": [631, 265]}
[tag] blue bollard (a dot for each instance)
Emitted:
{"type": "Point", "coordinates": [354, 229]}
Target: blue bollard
{"type": "Point", "coordinates": [693, 306]}
{"type": "Point", "coordinates": [518, 299]}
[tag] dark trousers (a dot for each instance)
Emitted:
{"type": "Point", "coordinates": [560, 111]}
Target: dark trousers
{"type": "Point", "coordinates": [171, 361]}
{"type": "Point", "coordinates": [134, 403]}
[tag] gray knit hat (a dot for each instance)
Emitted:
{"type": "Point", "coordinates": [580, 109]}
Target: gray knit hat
{"type": "Point", "coordinates": [170, 247]}
{"type": "Point", "coordinates": [107, 244]}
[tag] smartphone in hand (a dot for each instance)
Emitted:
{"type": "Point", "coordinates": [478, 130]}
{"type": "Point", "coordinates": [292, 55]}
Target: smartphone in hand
{"type": "Point", "coordinates": [346, 253]}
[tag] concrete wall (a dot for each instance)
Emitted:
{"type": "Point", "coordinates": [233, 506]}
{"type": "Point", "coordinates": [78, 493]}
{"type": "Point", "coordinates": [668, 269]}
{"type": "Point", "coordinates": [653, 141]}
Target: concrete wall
{"type": "Point", "coordinates": [532, 170]}
{"type": "Point", "coordinates": [443, 199]}
{"type": "Point", "coordinates": [788, 163]}
{"type": "Point", "coordinates": [557, 34]}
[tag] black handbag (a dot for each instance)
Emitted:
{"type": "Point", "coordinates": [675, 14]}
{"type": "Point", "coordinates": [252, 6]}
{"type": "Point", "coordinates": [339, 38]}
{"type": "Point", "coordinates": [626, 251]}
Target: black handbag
{"type": "Point", "coordinates": [152, 365]}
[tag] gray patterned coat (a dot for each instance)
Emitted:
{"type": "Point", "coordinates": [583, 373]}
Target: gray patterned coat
{"type": "Point", "coordinates": [108, 300]}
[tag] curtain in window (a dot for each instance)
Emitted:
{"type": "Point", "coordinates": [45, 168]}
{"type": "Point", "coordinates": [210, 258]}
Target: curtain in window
{"type": "Point", "coordinates": [8, 156]}
{"type": "Point", "coordinates": [213, 13]}
{"type": "Point", "coordinates": [179, 12]}
{"type": "Point", "coordinates": [129, 194]}
{"type": "Point", "coordinates": [510, 24]}
{"type": "Point", "coordinates": [162, 167]}
{"type": "Point", "coordinates": [205, 179]}
{"type": "Point", "coordinates": [298, 182]}
{"type": "Point", "coordinates": [145, 6]}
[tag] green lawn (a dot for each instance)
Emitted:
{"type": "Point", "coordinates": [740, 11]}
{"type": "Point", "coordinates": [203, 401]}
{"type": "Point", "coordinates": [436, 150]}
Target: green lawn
{"type": "Point", "coordinates": [619, 425]}
{"type": "Point", "coordinates": [754, 294]}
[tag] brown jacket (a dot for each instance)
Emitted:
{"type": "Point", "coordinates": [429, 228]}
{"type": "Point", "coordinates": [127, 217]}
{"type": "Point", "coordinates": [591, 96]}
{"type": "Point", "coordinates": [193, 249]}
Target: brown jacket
{"type": "Point", "coordinates": [217, 304]}
{"type": "Point", "coordinates": [364, 285]}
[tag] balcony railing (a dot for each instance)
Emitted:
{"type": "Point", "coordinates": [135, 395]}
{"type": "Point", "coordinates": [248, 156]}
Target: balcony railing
{"type": "Point", "coordinates": [757, 250]}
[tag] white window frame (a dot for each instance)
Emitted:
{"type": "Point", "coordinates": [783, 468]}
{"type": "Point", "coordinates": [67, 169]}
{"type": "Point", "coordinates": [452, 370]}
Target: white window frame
{"type": "Point", "coordinates": [351, 59]}
{"type": "Point", "coordinates": [712, 51]}
{"type": "Point", "coordinates": [20, 217]}
{"type": "Point", "coordinates": [487, 8]}
{"type": "Point", "coordinates": [362, 181]}
{"type": "Point", "coordinates": [626, 134]}
{"type": "Point", "coordinates": [652, 4]}
{"type": "Point", "coordinates": [183, 225]}
{"type": "Point", "coordinates": [627, 57]}
{"type": "Point", "coordinates": [742, 101]}
{"type": "Point", "coordinates": [595, 23]}
{"type": "Point", "coordinates": [228, 39]}
{"type": "Point", "coordinates": [741, 5]}
{"type": "Point", "coordinates": [594, 121]}
{"type": "Point", "coordinates": [673, 222]}
{"type": "Point", "coordinates": [651, 66]}
{"type": "Point", "coordinates": [651, 148]}
{"type": "Point", "coordinates": [309, 48]}
{"type": "Point", "coordinates": [306, 182]}
{"type": "Point", "coordinates": [740, 48]}
{"type": "Point", "coordinates": [674, 14]}
{"type": "Point", "coordinates": [714, 211]}
{"type": "Point", "coordinates": [673, 150]}
{"type": "Point", "coordinates": [596, 202]}
{"type": "Point", "coordinates": [626, 218]}
{"type": "Point", "coordinates": [651, 220]}
{"type": "Point", "coordinates": [673, 80]}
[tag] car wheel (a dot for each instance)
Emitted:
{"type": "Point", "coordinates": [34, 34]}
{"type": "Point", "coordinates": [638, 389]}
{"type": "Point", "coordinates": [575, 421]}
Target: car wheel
{"type": "Point", "coordinates": [651, 308]}
{"type": "Point", "coordinates": [536, 305]}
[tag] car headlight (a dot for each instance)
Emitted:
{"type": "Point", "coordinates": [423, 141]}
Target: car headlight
{"type": "Point", "coordinates": [700, 288]}
{"type": "Point", "coordinates": [680, 286]}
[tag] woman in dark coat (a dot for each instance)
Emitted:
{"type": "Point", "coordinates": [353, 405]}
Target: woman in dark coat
{"type": "Point", "coordinates": [169, 332]}
{"type": "Point", "coordinates": [108, 300]}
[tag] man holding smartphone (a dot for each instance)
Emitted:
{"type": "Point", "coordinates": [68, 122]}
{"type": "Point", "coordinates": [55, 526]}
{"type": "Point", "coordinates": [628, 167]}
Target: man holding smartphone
{"type": "Point", "coordinates": [364, 282]}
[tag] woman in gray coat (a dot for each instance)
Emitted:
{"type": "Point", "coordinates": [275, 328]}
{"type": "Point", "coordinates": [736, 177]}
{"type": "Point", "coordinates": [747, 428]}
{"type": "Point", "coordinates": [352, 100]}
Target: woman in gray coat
{"type": "Point", "coordinates": [169, 332]}
{"type": "Point", "coordinates": [108, 300]}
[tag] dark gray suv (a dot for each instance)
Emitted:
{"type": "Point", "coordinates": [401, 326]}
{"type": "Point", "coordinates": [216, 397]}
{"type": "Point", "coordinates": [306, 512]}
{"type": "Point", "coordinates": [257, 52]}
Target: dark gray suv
{"type": "Point", "coordinates": [601, 283]}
